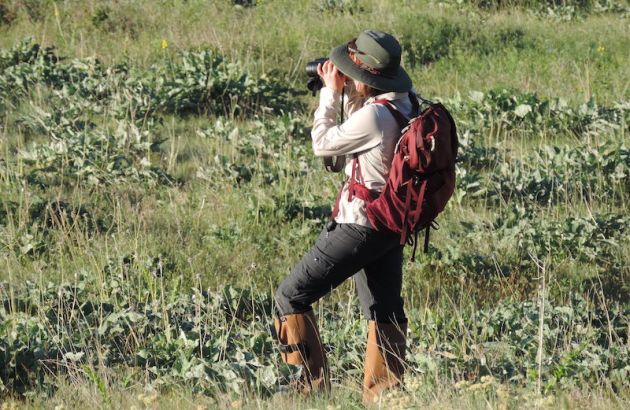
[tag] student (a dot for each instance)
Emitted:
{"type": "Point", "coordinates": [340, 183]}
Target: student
{"type": "Point", "coordinates": [369, 69]}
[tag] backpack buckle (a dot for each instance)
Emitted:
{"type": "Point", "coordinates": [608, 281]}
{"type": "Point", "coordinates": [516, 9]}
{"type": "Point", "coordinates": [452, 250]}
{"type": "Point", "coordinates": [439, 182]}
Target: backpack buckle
{"type": "Point", "coordinates": [416, 180]}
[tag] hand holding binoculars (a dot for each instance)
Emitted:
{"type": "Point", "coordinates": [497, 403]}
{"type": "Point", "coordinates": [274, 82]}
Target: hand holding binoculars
{"type": "Point", "coordinates": [314, 84]}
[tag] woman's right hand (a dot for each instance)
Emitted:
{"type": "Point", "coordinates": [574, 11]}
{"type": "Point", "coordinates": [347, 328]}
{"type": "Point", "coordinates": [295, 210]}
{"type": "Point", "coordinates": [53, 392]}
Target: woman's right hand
{"type": "Point", "coordinates": [331, 76]}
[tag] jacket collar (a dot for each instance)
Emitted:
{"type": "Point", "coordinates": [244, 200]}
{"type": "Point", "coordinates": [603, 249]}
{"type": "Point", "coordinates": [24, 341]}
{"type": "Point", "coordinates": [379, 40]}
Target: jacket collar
{"type": "Point", "coordinates": [386, 96]}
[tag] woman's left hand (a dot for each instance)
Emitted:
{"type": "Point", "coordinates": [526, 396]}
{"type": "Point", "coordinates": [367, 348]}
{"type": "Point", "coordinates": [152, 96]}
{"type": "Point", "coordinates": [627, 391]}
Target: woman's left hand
{"type": "Point", "coordinates": [331, 76]}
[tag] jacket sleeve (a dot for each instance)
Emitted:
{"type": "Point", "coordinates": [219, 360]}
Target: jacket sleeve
{"type": "Point", "coordinates": [358, 133]}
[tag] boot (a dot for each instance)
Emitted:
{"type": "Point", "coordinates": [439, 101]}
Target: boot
{"type": "Point", "coordinates": [301, 345]}
{"type": "Point", "coordinates": [384, 358]}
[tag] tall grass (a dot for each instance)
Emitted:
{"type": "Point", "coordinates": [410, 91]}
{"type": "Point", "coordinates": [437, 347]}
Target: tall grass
{"type": "Point", "coordinates": [219, 191]}
{"type": "Point", "coordinates": [446, 51]}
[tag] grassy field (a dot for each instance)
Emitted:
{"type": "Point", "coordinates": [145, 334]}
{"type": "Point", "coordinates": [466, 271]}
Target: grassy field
{"type": "Point", "coordinates": [157, 182]}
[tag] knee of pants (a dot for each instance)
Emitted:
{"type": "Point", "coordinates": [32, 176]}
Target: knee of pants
{"type": "Point", "coordinates": [287, 302]}
{"type": "Point", "coordinates": [391, 312]}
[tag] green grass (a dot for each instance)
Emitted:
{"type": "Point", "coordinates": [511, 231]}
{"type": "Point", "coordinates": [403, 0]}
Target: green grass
{"type": "Point", "coordinates": [245, 198]}
{"type": "Point", "coordinates": [575, 59]}
{"type": "Point", "coordinates": [80, 395]}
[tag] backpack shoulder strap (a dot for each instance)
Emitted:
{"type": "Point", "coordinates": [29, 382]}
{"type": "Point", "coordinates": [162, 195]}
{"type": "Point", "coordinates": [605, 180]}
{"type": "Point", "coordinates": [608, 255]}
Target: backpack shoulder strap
{"type": "Point", "coordinates": [416, 108]}
{"type": "Point", "coordinates": [400, 118]}
{"type": "Point", "coordinates": [415, 105]}
{"type": "Point", "coordinates": [421, 99]}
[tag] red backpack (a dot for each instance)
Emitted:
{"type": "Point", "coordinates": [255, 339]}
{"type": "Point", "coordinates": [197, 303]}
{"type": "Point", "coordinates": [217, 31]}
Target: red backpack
{"type": "Point", "coordinates": [421, 178]}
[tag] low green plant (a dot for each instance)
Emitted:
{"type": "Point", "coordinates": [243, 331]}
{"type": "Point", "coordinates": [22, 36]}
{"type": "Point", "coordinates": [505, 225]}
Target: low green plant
{"type": "Point", "coordinates": [176, 159]}
{"type": "Point", "coordinates": [564, 174]}
{"type": "Point", "coordinates": [564, 9]}
{"type": "Point", "coordinates": [220, 341]}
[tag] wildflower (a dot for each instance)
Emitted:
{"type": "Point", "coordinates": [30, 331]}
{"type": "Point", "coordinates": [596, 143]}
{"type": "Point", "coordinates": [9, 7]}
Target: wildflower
{"type": "Point", "coordinates": [601, 49]}
{"type": "Point", "coordinates": [503, 391]}
{"type": "Point", "coordinates": [477, 386]}
{"type": "Point", "coordinates": [147, 398]}
{"type": "Point", "coordinates": [164, 44]}
{"type": "Point", "coordinates": [462, 384]}
{"type": "Point", "coordinates": [487, 380]}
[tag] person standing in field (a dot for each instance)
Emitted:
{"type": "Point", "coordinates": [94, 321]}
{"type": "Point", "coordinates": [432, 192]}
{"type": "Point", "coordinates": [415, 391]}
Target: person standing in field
{"type": "Point", "coordinates": [366, 69]}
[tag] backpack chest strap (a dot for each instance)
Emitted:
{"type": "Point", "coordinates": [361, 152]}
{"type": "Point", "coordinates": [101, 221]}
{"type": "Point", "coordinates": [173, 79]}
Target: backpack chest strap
{"type": "Point", "coordinates": [356, 187]}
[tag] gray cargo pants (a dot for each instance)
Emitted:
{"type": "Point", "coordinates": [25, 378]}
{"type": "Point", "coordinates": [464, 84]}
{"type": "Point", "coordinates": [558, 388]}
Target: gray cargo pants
{"type": "Point", "coordinates": [374, 259]}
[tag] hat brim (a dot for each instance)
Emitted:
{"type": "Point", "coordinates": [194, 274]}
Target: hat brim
{"type": "Point", "coordinates": [341, 59]}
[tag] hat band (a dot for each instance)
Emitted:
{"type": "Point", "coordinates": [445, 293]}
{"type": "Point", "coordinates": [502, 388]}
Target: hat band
{"type": "Point", "coordinates": [353, 52]}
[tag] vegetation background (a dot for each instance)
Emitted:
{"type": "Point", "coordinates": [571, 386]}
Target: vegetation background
{"type": "Point", "coordinates": [157, 182]}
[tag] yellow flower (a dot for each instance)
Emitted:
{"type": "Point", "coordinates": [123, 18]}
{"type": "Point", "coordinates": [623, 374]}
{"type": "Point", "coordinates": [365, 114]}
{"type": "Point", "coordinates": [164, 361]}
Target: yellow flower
{"type": "Point", "coordinates": [147, 398]}
{"type": "Point", "coordinates": [164, 44]}
{"type": "Point", "coordinates": [601, 49]}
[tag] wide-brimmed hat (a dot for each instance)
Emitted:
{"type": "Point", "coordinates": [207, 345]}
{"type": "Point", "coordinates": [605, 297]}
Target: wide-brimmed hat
{"type": "Point", "coordinates": [377, 56]}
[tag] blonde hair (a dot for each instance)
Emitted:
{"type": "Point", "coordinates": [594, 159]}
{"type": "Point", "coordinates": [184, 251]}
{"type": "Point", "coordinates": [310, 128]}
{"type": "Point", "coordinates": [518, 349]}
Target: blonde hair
{"type": "Point", "coordinates": [364, 90]}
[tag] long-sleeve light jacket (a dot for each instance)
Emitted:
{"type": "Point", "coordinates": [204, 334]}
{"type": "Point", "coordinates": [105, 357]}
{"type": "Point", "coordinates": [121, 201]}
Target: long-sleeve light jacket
{"type": "Point", "coordinates": [370, 131]}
